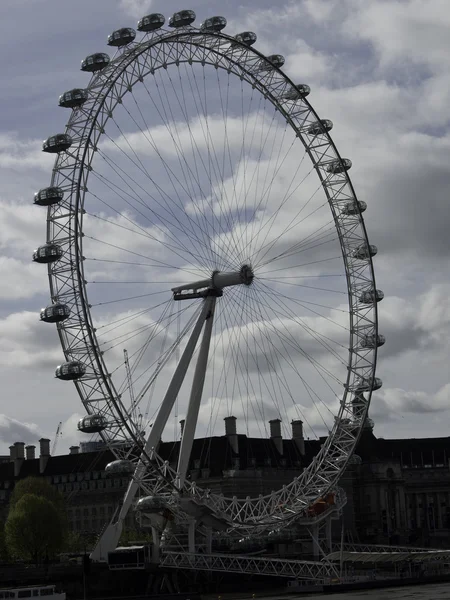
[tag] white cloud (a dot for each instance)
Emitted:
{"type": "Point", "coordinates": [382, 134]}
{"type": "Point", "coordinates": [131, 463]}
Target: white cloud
{"type": "Point", "coordinates": [19, 154]}
{"type": "Point", "coordinates": [136, 8]}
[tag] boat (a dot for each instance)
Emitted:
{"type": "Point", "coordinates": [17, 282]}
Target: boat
{"type": "Point", "coordinates": [32, 591]}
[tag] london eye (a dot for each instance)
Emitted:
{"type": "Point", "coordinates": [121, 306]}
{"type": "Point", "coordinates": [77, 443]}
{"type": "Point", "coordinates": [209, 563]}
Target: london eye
{"type": "Point", "coordinates": [207, 259]}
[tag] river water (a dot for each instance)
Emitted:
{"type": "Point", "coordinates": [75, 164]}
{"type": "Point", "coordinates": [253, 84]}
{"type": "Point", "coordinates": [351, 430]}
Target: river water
{"type": "Point", "coordinates": [435, 591]}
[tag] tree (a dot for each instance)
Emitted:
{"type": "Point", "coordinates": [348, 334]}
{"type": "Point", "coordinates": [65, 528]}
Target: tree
{"type": "Point", "coordinates": [39, 487]}
{"type": "Point", "coordinates": [3, 549]}
{"type": "Point", "coordinates": [34, 529]}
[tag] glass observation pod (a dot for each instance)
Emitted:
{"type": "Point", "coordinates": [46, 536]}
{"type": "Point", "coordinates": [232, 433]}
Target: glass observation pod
{"type": "Point", "coordinates": [301, 90]}
{"type": "Point", "coordinates": [71, 370]}
{"type": "Point", "coordinates": [48, 196]}
{"type": "Point", "coordinates": [373, 341]}
{"type": "Point", "coordinates": [354, 207]}
{"type": "Point", "coordinates": [365, 251]}
{"type": "Point", "coordinates": [121, 37]}
{"type": "Point", "coordinates": [365, 385]}
{"type": "Point", "coordinates": [318, 127]}
{"type": "Point", "coordinates": [276, 62]}
{"type": "Point", "coordinates": [119, 467]}
{"type": "Point", "coordinates": [151, 504]}
{"type": "Point", "coordinates": [47, 253]}
{"type": "Point", "coordinates": [183, 18]}
{"type": "Point", "coordinates": [246, 37]}
{"type": "Point", "coordinates": [92, 424]}
{"type": "Point", "coordinates": [339, 166]}
{"type": "Point", "coordinates": [73, 98]}
{"type": "Point", "coordinates": [355, 460]}
{"type": "Point", "coordinates": [369, 296]}
{"type": "Point", "coordinates": [55, 313]}
{"type": "Point", "coordinates": [214, 24]}
{"type": "Point", "coordinates": [151, 22]}
{"type": "Point", "coordinates": [57, 143]}
{"type": "Point", "coordinates": [95, 62]}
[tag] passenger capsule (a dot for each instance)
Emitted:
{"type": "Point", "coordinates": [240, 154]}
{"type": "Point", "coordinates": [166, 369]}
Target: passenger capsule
{"type": "Point", "coordinates": [47, 253]}
{"type": "Point", "coordinates": [95, 62]}
{"type": "Point", "coordinates": [354, 207]}
{"type": "Point", "coordinates": [321, 126]}
{"type": "Point", "coordinates": [73, 98]}
{"type": "Point", "coordinates": [69, 371]}
{"type": "Point", "coordinates": [301, 90]}
{"type": "Point", "coordinates": [151, 22]}
{"type": "Point", "coordinates": [57, 143]}
{"type": "Point", "coordinates": [48, 196]}
{"type": "Point", "coordinates": [365, 385]}
{"type": "Point", "coordinates": [274, 61]}
{"type": "Point", "coordinates": [365, 251]}
{"type": "Point", "coordinates": [92, 424]}
{"type": "Point", "coordinates": [121, 37]}
{"type": "Point", "coordinates": [339, 166]}
{"type": "Point", "coordinates": [246, 37]}
{"type": "Point", "coordinates": [214, 24]}
{"type": "Point", "coordinates": [183, 18]}
{"type": "Point", "coordinates": [120, 467]}
{"type": "Point", "coordinates": [355, 459]}
{"type": "Point", "coordinates": [151, 504]}
{"type": "Point", "coordinates": [369, 296]}
{"type": "Point", "coordinates": [55, 313]}
{"type": "Point", "coordinates": [373, 341]}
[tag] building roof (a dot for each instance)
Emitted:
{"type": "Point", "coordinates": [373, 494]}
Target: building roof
{"type": "Point", "coordinates": [408, 451]}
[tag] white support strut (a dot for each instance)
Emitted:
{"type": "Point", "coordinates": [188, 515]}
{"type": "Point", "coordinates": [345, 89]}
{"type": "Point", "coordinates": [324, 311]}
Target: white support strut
{"type": "Point", "coordinates": [196, 396]}
{"type": "Point", "coordinates": [110, 537]}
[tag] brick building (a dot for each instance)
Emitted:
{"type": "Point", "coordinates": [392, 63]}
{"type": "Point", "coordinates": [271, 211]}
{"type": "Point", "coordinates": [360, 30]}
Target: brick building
{"type": "Point", "coordinates": [398, 491]}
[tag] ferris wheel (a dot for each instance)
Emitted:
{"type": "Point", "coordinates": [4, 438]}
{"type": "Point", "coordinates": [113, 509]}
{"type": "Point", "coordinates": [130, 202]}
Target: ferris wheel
{"type": "Point", "coordinates": [207, 258]}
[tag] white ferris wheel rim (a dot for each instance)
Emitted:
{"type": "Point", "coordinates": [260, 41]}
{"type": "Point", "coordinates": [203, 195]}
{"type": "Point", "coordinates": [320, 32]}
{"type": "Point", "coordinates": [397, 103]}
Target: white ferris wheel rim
{"type": "Point", "coordinates": [65, 222]}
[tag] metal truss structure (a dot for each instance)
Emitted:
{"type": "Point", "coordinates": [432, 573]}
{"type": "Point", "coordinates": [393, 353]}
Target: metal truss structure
{"type": "Point", "coordinates": [319, 572]}
{"type": "Point", "coordinates": [166, 49]}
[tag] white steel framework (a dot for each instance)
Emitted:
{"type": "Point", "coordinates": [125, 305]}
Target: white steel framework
{"type": "Point", "coordinates": [106, 92]}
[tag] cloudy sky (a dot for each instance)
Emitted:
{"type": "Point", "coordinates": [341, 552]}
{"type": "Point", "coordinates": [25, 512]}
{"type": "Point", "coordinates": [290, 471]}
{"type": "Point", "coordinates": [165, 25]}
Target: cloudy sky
{"type": "Point", "coordinates": [379, 70]}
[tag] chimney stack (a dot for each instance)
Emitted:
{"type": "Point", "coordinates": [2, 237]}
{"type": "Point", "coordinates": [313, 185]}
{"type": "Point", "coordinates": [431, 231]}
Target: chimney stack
{"type": "Point", "coordinates": [297, 435]}
{"type": "Point", "coordinates": [44, 453]}
{"type": "Point", "coordinates": [230, 432]}
{"type": "Point", "coordinates": [30, 452]}
{"type": "Point", "coordinates": [20, 457]}
{"type": "Point", "coordinates": [182, 422]}
{"type": "Point", "coordinates": [12, 453]}
{"type": "Point", "coordinates": [275, 435]}
{"type": "Point", "coordinates": [74, 450]}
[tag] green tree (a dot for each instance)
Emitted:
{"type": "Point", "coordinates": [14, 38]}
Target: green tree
{"type": "Point", "coordinates": [73, 542]}
{"type": "Point", "coordinates": [39, 487]}
{"type": "Point", "coordinates": [3, 549]}
{"type": "Point", "coordinates": [34, 530]}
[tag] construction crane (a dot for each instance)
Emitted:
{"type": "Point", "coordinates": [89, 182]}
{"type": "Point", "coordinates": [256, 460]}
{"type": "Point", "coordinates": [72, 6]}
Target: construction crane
{"type": "Point", "coordinates": [58, 434]}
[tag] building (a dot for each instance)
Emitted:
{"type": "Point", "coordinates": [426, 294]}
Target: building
{"type": "Point", "coordinates": [398, 491]}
